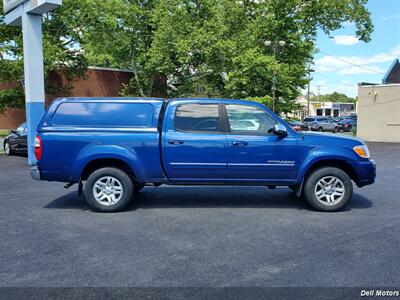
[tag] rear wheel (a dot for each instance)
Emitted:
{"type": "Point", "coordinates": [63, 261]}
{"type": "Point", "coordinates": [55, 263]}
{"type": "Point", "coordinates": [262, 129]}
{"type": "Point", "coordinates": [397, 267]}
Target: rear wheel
{"type": "Point", "coordinates": [108, 190]}
{"type": "Point", "coordinates": [320, 129]}
{"type": "Point", "coordinates": [7, 149]}
{"type": "Point", "coordinates": [328, 189]}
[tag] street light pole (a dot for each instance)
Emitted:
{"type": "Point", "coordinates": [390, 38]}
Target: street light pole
{"type": "Point", "coordinates": [275, 47]}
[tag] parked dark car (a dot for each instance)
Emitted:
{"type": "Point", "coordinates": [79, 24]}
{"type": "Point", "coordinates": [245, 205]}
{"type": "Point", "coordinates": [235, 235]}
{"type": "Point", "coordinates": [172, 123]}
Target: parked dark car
{"type": "Point", "coordinates": [347, 124]}
{"type": "Point", "coordinates": [298, 126]}
{"type": "Point", "coordinates": [352, 116]}
{"type": "Point", "coordinates": [338, 119]}
{"type": "Point", "coordinates": [16, 141]}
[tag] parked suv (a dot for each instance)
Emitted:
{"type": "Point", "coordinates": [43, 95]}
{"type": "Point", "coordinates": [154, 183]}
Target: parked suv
{"type": "Point", "coordinates": [113, 147]}
{"type": "Point", "coordinates": [322, 124]}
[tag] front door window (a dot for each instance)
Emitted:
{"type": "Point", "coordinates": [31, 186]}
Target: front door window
{"type": "Point", "coordinates": [249, 120]}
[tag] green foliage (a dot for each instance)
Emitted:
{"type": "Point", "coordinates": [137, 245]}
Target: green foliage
{"type": "Point", "coordinates": [354, 131]}
{"type": "Point", "coordinates": [190, 47]}
{"type": "Point", "coordinates": [337, 97]}
{"type": "Point", "coordinates": [215, 46]}
{"type": "Point", "coordinates": [12, 98]}
{"type": "Point", "coordinates": [3, 133]}
{"type": "Point", "coordinates": [295, 119]}
{"type": "Point", "coordinates": [60, 47]}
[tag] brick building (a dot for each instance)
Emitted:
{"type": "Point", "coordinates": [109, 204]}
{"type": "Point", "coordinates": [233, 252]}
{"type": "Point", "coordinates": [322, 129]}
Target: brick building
{"type": "Point", "coordinates": [98, 82]}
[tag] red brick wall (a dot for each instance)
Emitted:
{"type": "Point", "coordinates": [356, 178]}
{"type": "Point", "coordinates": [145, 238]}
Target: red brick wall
{"type": "Point", "coordinates": [97, 83]}
{"type": "Point", "coordinates": [12, 118]}
{"type": "Point", "coordinates": [8, 85]}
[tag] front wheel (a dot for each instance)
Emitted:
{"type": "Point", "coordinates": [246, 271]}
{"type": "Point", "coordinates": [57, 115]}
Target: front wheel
{"type": "Point", "coordinates": [108, 190]}
{"type": "Point", "coordinates": [7, 148]}
{"type": "Point", "coordinates": [320, 129]}
{"type": "Point", "coordinates": [328, 189]}
{"type": "Point", "coordinates": [335, 130]}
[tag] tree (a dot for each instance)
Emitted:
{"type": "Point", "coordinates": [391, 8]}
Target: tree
{"type": "Point", "coordinates": [337, 97]}
{"type": "Point", "coordinates": [173, 46]}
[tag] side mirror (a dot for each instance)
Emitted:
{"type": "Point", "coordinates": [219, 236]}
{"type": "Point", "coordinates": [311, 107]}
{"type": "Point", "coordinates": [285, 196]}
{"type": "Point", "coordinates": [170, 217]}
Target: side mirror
{"type": "Point", "coordinates": [280, 130]}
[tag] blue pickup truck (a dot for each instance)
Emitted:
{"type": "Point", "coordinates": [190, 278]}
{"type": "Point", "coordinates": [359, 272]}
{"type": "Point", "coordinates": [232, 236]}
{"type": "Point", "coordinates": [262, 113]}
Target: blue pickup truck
{"type": "Point", "coordinates": [113, 147]}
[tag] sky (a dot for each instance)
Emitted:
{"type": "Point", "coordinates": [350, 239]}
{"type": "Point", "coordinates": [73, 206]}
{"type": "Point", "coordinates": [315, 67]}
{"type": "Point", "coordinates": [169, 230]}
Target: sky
{"type": "Point", "coordinates": [343, 61]}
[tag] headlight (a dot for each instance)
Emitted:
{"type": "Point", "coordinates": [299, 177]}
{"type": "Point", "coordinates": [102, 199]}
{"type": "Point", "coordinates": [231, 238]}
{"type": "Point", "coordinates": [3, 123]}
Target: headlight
{"type": "Point", "coordinates": [362, 151]}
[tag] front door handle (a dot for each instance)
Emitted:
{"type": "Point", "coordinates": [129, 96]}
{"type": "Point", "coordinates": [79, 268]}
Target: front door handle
{"type": "Point", "coordinates": [239, 143]}
{"type": "Point", "coordinates": [175, 142]}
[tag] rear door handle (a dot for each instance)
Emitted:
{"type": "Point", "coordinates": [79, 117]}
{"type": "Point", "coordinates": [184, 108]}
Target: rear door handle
{"type": "Point", "coordinates": [175, 142]}
{"type": "Point", "coordinates": [239, 143]}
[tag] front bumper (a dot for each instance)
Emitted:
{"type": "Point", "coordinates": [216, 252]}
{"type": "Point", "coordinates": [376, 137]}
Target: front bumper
{"type": "Point", "coordinates": [366, 172]}
{"type": "Point", "coordinates": [35, 172]}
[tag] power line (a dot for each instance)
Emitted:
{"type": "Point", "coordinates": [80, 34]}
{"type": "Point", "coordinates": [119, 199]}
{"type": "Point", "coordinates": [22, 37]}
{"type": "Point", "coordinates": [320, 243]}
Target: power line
{"type": "Point", "coordinates": [334, 79]}
{"type": "Point", "coordinates": [351, 63]}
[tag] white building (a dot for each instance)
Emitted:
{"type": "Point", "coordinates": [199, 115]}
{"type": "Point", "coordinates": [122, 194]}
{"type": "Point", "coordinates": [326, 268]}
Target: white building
{"type": "Point", "coordinates": [379, 108]}
{"type": "Point", "coordinates": [332, 109]}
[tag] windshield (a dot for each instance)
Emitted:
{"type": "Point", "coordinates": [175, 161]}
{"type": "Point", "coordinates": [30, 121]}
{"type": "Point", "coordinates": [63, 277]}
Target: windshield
{"type": "Point", "coordinates": [309, 120]}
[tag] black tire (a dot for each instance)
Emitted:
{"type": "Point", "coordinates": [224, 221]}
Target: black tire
{"type": "Point", "coordinates": [7, 152]}
{"type": "Point", "coordinates": [138, 187]}
{"type": "Point", "coordinates": [335, 130]}
{"type": "Point", "coordinates": [320, 129]}
{"type": "Point", "coordinates": [326, 172]}
{"type": "Point", "coordinates": [124, 180]}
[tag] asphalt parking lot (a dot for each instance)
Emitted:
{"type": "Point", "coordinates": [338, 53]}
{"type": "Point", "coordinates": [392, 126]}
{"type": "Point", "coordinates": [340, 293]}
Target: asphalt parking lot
{"type": "Point", "coordinates": [199, 236]}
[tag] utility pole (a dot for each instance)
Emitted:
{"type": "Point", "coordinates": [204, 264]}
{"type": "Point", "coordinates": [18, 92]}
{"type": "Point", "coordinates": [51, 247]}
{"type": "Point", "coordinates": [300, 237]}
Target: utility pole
{"type": "Point", "coordinates": [28, 15]}
{"type": "Point", "coordinates": [309, 70]}
{"type": "Point", "coordinates": [273, 89]}
{"type": "Point", "coordinates": [275, 47]}
{"type": "Point", "coordinates": [318, 89]}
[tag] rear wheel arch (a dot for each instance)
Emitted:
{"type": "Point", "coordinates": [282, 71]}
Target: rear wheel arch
{"type": "Point", "coordinates": [100, 163]}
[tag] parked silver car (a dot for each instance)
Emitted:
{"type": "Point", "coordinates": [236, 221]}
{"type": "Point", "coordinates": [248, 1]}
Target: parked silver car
{"type": "Point", "coordinates": [322, 124]}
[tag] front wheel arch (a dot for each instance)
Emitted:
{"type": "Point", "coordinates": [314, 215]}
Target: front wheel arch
{"type": "Point", "coordinates": [336, 163]}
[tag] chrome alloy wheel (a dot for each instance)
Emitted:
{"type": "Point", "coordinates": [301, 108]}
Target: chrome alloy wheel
{"type": "Point", "coordinates": [329, 190]}
{"type": "Point", "coordinates": [108, 190]}
{"type": "Point", "coordinates": [7, 149]}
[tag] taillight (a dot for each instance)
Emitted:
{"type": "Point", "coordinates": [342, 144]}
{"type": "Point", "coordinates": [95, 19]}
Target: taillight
{"type": "Point", "coordinates": [38, 147]}
{"type": "Point", "coordinates": [297, 128]}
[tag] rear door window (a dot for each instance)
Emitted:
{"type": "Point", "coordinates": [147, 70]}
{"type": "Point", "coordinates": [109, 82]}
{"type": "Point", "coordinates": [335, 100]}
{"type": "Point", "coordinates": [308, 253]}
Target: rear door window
{"type": "Point", "coordinates": [99, 114]}
{"type": "Point", "coordinates": [196, 117]}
